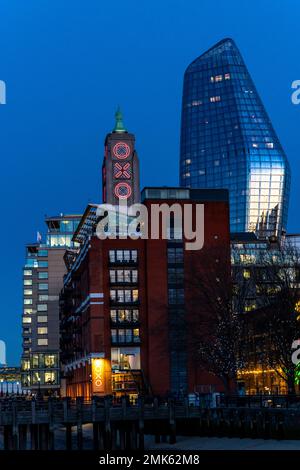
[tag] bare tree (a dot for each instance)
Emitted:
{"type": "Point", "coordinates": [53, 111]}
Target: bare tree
{"type": "Point", "coordinates": [216, 326]}
{"type": "Point", "coordinates": [277, 280]}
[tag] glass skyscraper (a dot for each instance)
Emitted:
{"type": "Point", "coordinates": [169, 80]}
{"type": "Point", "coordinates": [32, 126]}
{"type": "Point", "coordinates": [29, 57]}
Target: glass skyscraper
{"type": "Point", "coordinates": [227, 141]}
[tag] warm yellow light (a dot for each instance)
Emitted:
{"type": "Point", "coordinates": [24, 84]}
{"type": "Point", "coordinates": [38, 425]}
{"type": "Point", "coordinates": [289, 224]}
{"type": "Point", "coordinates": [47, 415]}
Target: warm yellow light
{"type": "Point", "coordinates": [98, 376]}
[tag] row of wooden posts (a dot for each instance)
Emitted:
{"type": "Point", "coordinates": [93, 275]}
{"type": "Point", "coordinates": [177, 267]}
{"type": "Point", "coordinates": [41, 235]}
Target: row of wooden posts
{"type": "Point", "coordinates": [29, 424]}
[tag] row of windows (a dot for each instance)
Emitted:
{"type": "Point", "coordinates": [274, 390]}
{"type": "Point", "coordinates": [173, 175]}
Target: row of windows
{"type": "Point", "coordinates": [40, 361]}
{"type": "Point", "coordinates": [124, 295]}
{"type": "Point", "coordinates": [122, 256]}
{"type": "Point", "coordinates": [127, 335]}
{"type": "Point", "coordinates": [124, 315]}
{"type": "Point", "coordinates": [40, 319]}
{"type": "Point", "coordinates": [123, 275]}
{"type": "Point", "coordinates": [40, 378]}
{"type": "Point", "coordinates": [34, 263]}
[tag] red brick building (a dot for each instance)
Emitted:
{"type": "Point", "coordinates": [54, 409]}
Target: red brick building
{"type": "Point", "coordinates": [126, 302]}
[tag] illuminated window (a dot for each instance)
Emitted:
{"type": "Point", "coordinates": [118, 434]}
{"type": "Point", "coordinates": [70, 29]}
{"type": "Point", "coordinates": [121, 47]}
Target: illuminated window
{"type": "Point", "coordinates": [214, 99]}
{"type": "Point", "coordinates": [250, 306]}
{"type": "Point", "coordinates": [27, 311]}
{"type": "Point", "coordinates": [269, 145]}
{"type": "Point", "coordinates": [51, 377]}
{"type": "Point", "coordinates": [27, 291]}
{"type": "Point", "coordinates": [43, 330]}
{"type": "Point", "coordinates": [27, 282]}
{"type": "Point", "coordinates": [27, 272]}
{"type": "Point", "coordinates": [42, 342]}
{"type": "Point", "coordinates": [136, 335]}
{"type": "Point", "coordinates": [247, 273]}
{"type": "Point", "coordinates": [25, 364]}
{"type": "Point", "coordinates": [196, 103]}
{"type": "Point", "coordinates": [43, 286]}
{"type": "Point", "coordinates": [42, 307]}
{"type": "Point", "coordinates": [218, 78]}
{"type": "Point", "coordinates": [27, 301]}
{"type": "Point", "coordinates": [43, 297]}
{"type": "Point", "coordinates": [43, 253]}
{"type": "Point", "coordinates": [227, 76]}
{"type": "Point", "coordinates": [50, 360]}
{"type": "Point", "coordinates": [26, 319]}
{"type": "Point", "coordinates": [42, 319]}
{"type": "Point", "coordinates": [43, 275]}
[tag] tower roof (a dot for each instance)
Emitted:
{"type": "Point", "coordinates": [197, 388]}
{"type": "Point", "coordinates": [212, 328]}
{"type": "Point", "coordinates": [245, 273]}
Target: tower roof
{"type": "Point", "coordinates": [119, 125]}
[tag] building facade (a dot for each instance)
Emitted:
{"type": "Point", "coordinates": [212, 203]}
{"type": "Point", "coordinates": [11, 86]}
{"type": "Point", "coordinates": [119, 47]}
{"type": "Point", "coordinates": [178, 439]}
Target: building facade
{"type": "Point", "coordinates": [126, 300]}
{"type": "Point", "coordinates": [42, 280]}
{"type": "Point", "coordinates": [227, 141]}
{"type": "Point", "coordinates": [125, 304]}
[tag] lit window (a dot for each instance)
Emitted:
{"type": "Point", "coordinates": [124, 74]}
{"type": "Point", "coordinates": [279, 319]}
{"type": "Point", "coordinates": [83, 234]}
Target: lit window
{"type": "Point", "coordinates": [27, 291]}
{"type": "Point", "coordinates": [135, 295]}
{"type": "Point", "coordinates": [26, 319]}
{"type": "Point", "coordinates": [50, 360]}
{"type": "Point", "coordinates": [43, 253]}
{"type": "Point", "coordinates": [227, 76]}
{"type": "Point", "coordinates": [136, 335]}
{"type": "Point", "coordinates": [42, 307]}
{"type": "Point", "coordinates": [43, 330]}
{"type": "Point", "coordinates": [27, 272]}
{"type": "Point", "coordinates": [255, 146]}
{"type": "Point", "coordinates": [43, 264]}
{"type": "Point", "coordinates": [113, 315]}
{"type": "Point", "coordinates": [50, 378]}
{"type": "Point", "coordinates": [43, 342]}
{"type": "Point", "coordinates": [188, 161]}
{"type": "Point", "coordinates": [212, 79]}
{"type": "Point", "coordinates": [250, 306]}
{"type": "Point", "coordinates": [27, 301]}
{"type": "Point", "coordinates": [42, 319]}
{"type": "Point", "coordinates": [43, 286]}
{"type": "Point", "coordinates": [27, 311]}
{"type": "Point", "coordinates": [269, 145]}
{"type": "Point", "coordinates": [43, 275]}
{"type": "Point", "coordinates": [247, 273]}
{"type": "Point", "coordinates": [27, 282]}
{"type": "Point", "coordinates": [43, 297]}
{"type": "Point", "coordinates": [218, 78]}
{"type": "Point", "coordinates": [214, 99]}
{"type": "Point", "coordinates": [196, 103]}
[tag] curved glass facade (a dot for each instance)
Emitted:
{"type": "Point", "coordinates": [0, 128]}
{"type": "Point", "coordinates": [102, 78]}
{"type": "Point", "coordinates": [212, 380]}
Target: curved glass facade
{"type": "Point", "coordinates": [227, 141]}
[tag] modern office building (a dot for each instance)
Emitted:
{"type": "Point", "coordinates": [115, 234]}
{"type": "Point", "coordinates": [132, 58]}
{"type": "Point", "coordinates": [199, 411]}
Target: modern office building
{"type": "Point", "coordinates": [10, 381]}
{"type": "Point", "coordinates": [227, 141]}
{"type": "Point", "coordinates": [43, 280]}
{"type": "Point", "coordinates": [253, 262]}
{"type": "Point", "coordinates": [126, 302]}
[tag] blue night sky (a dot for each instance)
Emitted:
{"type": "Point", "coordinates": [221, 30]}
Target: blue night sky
{"type": "Point", "coordinates": [69, 63]}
